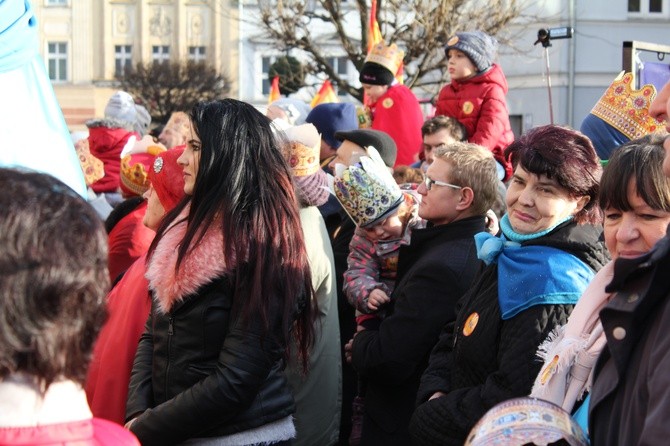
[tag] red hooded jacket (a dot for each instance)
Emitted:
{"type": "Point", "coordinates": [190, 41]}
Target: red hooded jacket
{"type": "Point", "coordinates": [106, 141]}
{"type": "Point", "coordinates": [397, 112]}
{"type": "Point", "coordinates": [479, 104]}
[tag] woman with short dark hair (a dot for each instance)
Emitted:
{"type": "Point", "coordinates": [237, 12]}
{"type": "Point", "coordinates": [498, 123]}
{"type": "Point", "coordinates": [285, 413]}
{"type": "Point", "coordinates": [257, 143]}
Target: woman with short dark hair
{"type": "Point", "coordinates": [53, 282]}
{"type": "Point", "coordinates": [231, 286]}
{"type": "Point", "coordinates": [535, 272]}
{"type": "Point", "coordinates": [635, 198]}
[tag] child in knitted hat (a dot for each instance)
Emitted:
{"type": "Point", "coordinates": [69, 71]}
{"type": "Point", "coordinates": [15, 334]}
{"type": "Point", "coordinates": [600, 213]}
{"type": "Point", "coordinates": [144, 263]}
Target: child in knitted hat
{"type": "Point", "coordinates": [476, 94]}
{"type": "Point", "coordinates": [385, 216]}
{"type": "Point", "coordinates": [393, 107]}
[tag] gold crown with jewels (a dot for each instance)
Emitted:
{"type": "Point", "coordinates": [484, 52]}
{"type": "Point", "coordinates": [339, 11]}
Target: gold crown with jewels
{"type": "Point", "coordinates": [627, 109]}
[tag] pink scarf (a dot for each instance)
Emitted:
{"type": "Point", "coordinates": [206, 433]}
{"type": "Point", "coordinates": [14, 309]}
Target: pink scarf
{"type": "Point", "coordinates": [570, 351]}
{"type": "Point", "coordinates": [203, 263]}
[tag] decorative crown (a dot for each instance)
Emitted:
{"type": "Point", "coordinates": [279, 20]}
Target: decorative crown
{"type": "Point", "coordinates": [303, 160]}
{"type": "Point", "coordinates": [389, 57]}
{"type": "Point", "coordinates": [134, 176]}
{"type": "Point", "coordinates": [93, 168]}
{"type": "Point", "coordinates": [304, 149]}
{"type": "Point", "coordinates": [367, 191]}
{"type": "Point", "coordinates": [626, 109]}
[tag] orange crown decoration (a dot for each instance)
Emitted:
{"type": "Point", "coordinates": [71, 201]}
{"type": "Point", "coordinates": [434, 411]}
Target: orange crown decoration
{"type": "Point", "coordinates": [135, 173]}
{"type": "Point", "coordinates": [305, 148]}
{"type": "Point", "coordinates": [626, 109]}
{"type": "Point", "coordinates": [389, 57]}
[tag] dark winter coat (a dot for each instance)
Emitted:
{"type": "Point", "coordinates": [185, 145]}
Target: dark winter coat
{"type": "Point", "coordinates": [479, 104]}
{"type": "Point", "coordinates": [483, 362]}
{"type": "Point", "coordinates": [630, 397]}
{"type": "Point", "coordinates": [434, 271]}
{"type": "Point", "coordinates": [199, 370]}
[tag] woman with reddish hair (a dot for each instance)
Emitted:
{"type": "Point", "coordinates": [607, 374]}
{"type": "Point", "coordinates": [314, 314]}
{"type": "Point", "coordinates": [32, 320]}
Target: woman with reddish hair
{"type": "Point", "coordinates": [535, 271]}
{"type": "Point", "coordinates": [231, 288]}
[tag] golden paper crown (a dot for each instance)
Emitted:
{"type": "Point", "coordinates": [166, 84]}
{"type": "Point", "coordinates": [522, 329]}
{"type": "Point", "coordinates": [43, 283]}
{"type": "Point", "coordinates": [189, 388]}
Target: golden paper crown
{"type": "Point", "coordinates": [626, 109]}
{"type": "Point", "coordinates": [303, 160]}
{"type": "Point", "coordinates": [135, 173]}
{"type": "Point", "coordinates": [304, 149]}
{"type": "Point", "coordinates": [389, 57]}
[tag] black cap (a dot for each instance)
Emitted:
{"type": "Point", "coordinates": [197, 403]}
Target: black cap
{"type": "Point", "coordinates": [375, 138]}
{"type": "Point", "coordinates": [375, 74]}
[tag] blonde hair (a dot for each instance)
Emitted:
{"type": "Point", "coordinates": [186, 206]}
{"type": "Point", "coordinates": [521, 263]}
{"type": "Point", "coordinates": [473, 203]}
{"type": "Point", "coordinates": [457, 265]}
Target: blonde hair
{"type": "Point", "coordinates": [473, 166]}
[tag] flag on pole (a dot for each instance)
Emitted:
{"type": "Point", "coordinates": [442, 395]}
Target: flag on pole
{"type": "Point", "coordinates": [399, 73]}
{"type": "Point", "coordinates": [325, 95]}
{"type": "Point", "coordinates": [374, 34]}
{"type": "Point", "coordinates": [274, 90]}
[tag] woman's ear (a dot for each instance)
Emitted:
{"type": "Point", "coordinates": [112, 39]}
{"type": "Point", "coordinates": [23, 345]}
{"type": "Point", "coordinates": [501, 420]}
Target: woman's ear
{"type": "Point", "coordinates": [581, 203]}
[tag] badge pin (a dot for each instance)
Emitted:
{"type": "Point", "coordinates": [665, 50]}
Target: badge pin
{"type": "Point", "coordinates": [470, 324]}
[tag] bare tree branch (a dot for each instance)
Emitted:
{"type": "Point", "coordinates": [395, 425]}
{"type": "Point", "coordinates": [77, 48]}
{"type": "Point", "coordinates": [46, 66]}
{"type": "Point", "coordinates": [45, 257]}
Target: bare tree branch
{"type": "Point", "coordinates": [421, 28]}
{"type": "Point", "coordinates": [164, 87]}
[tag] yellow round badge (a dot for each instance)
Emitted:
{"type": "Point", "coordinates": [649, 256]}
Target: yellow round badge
{"type": "Point", "coordinates": [387, 103]}
{"type": "Point", "coordinates": [453, 41]}
{"type": "Point", "coordinates": [468, 107]}
{"type": "Point", "coordinates": [470, 324]}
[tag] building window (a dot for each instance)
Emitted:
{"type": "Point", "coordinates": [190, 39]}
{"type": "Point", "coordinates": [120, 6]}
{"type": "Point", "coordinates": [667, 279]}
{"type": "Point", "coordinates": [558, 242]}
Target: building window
{"type": "Point", "coordinates": [57, 61]}
{"type": "Point", "coordinates": [196, 53]}
{"type": "Point", "coordinates": [647, 7]}
{"type": "Point", "coordinates": [123, 58]}
{"type": "Point", "coordinates": [266, 61]}
{"type": "Point", "coordinates": [56, 2]}
{"type": "Point", "coordinates": [341, 67]}
{"type": "Point", "coordinates": [160, 53]}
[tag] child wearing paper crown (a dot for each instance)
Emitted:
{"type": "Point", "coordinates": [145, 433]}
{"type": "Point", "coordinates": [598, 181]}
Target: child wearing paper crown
{"type": "Point", "coordinates": [385, 216]}
{"type": "Point", "coordinates": [393, 107]}
{"type": "Point", "coordinates": [476, 94]}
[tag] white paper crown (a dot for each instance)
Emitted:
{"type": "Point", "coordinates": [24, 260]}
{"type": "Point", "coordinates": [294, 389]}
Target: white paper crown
{"type": "Point", "coordinates": [366, 191]}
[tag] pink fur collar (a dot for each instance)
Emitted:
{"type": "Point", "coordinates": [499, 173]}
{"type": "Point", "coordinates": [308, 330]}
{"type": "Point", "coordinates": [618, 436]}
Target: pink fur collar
{"type": "Point", "coordinates": [203, 263]}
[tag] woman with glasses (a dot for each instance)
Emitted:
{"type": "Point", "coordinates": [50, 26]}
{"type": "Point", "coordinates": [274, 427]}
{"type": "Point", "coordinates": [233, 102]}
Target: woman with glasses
{"type": "Point", "coordinates": [535, 271]}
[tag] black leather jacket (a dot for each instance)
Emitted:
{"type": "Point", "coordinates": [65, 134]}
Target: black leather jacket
{"type": "Point", "coordinates": [200, 372]}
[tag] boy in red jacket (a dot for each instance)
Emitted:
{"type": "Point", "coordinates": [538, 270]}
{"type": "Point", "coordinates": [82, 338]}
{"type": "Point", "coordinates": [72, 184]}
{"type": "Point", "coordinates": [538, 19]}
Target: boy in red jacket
{"type": "Point", "coordinates": [393, 107]}
{"type": "Point", "coordinates": [476, 94]}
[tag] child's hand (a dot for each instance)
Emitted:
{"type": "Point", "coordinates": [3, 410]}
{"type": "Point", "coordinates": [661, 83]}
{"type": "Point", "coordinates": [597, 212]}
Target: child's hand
{"type": "Point", "coordinates": [376, 299]}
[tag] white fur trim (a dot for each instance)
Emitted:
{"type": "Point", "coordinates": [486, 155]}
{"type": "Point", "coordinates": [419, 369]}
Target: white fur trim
{"type": "Point", "coordinates": [280, 430]}
{"type": "Point", "coordinates": [22, 405]}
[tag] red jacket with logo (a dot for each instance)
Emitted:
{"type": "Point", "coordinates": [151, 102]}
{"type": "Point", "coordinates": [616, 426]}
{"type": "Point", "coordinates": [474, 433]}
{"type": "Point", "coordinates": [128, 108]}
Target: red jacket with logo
{"type": "Point", "coordinates": [398, 113]}
{"type": "Point", "coordinates": [479, 104]}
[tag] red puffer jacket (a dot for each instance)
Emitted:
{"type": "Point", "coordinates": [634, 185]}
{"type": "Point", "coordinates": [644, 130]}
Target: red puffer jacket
{"type": "Point", "coordinates": [106, 141]}
{"type": "Point", "coordinates": [479, 104]}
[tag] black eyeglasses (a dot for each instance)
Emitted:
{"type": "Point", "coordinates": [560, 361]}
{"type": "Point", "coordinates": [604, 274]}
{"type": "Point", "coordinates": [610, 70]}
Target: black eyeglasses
{"type": "Point", "coordinates": [428, 182]}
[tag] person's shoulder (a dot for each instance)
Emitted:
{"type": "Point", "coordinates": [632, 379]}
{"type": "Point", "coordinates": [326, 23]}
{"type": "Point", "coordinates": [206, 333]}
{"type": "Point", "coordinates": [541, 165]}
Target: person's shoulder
{"type": "Point", "coordinates": [494, 80]}
{"type": "Point", "coordinates": [397, 95]}
{"type": "Point", "coordinates": [108, 433]}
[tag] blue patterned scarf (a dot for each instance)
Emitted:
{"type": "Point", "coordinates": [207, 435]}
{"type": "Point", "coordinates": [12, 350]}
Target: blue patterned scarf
{"type": "Point", "coordinates": [531, 275]}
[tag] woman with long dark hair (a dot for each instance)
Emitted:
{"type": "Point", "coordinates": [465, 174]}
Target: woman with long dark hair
{"type": "Point", "coordinates": [231, 285]}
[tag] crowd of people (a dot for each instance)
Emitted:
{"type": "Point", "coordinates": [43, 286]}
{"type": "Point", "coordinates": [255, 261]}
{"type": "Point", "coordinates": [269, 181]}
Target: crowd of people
{"type": "Point", "coordinates": [307, 277]}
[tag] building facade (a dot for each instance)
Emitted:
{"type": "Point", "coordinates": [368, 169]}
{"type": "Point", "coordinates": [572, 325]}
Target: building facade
{"type": "Point", "coordinates": [86, 43]}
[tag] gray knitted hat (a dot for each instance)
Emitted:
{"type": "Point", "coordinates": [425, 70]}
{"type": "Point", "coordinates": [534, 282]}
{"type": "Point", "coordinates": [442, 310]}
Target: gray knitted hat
{"type": "Point", "coordinates": [479, 46]}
